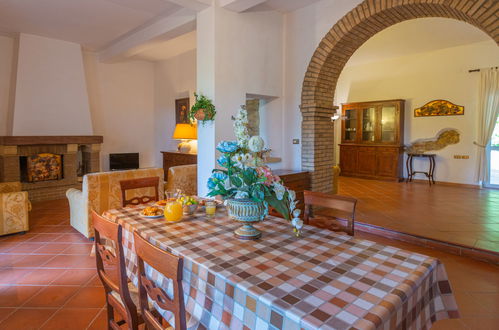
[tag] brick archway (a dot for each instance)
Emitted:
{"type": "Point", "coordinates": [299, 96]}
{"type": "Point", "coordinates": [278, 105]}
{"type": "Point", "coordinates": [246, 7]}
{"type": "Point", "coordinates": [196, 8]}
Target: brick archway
{"type": "Point", "coordinates": [335, 49]}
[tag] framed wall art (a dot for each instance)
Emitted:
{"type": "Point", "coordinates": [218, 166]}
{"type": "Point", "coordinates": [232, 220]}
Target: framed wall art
{"type": "Point", "coordinates": [182, 111]}
{"type": "Point", "coordinates": [439, 108]}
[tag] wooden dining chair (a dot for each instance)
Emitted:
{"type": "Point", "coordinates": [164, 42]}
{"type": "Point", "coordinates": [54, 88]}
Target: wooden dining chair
{"type": "Point", "coordinates": [171, 267]}
{"type": "Point", "coordinates": [339, 209]}
{"type": "Point", "coordinates": [121, 295]}
{"type": "Point", "coordinates": [151, 182]}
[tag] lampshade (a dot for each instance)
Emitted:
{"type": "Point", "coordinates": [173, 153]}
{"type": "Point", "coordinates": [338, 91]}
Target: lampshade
{"type": "Point", "coordinates": [185, 132]}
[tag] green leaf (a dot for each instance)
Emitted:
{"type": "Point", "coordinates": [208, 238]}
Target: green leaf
{"type": "Point", "coordinates": [236, 181]}
{"type": "Point", "coordinates": [280, 206]}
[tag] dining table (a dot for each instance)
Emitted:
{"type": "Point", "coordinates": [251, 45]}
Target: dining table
{"type": "Point", "coordinates": [320, 280]}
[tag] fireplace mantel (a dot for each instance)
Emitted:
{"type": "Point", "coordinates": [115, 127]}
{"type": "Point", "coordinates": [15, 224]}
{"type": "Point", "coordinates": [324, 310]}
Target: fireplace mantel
{"type": "Point", "coordinates": [79, 154]}
{"type": "Point", "coordinates": [60, 139]}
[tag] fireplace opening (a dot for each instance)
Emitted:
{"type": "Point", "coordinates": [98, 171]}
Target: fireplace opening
{"type": "Point", "coordinates": [41, 167]}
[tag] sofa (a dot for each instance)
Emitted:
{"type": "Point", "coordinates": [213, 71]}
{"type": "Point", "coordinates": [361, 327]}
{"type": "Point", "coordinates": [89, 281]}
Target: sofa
{"type": "Point", "coordinates": [184, 178]}
{"type": "Point", "coordinates": [14, 208]}
{"type": "Point", "coordinates": [102, 191]}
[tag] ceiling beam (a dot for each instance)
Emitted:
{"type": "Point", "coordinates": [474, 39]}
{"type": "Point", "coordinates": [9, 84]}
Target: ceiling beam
{"type": "Point", "coordinates": [240, 5]}
{"type": "Point", "coordinates": [160, 29]}
{"type": "Point", "coordinates": [196, 5]}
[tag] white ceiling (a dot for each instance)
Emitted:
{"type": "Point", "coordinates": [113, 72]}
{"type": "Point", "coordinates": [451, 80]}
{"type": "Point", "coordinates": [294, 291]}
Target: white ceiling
{"type": "Point", "coordinates": [91, 23]}
{"type": "Point", "coordinates": [96, 24]}
{"type": "Point", "coordinates": [170, 48]}
{"type": "Point", "coordinates": [417, 36]}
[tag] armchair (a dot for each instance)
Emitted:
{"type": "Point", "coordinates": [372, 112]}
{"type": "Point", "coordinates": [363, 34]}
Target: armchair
{"type": "Point", "coordinates": [14, 207]}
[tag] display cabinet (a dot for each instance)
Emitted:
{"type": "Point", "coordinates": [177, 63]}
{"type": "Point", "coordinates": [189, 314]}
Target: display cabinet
{"type": "Point", "coordinates": [372, 139]}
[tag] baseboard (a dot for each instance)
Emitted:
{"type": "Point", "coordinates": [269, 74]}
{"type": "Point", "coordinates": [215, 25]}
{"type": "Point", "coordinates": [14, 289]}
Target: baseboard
{"type": "Point", "coordinates": [450, 184]}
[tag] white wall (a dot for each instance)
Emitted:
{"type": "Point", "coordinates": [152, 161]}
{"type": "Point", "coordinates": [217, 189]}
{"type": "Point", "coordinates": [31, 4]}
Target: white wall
{"type": "Point", "coordinates": [421, 78]}
{"type": "Point", "coordinates": [304, 29]}
{"type": "Point", "coordinates": [51, 96]}
{"type": "Point", "coordinates": [237, 54]}
{"type": "Point", "coordinates": [6, 53]}
{"type": "Point", "coordinates": [174, 78]}
{"type": "Point", "coordinates": [122, 104]}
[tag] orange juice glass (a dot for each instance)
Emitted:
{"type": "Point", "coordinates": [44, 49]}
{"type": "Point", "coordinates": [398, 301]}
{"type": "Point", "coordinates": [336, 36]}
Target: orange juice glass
{"type": "Point", "coordinates": [173, 211]}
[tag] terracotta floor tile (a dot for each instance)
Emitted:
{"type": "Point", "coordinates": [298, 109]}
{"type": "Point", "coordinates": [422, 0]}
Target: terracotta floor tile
{"type": "Point", "coordinates": [44, 238]}
{"type": "Point", "coordinates": [52, 296]}
{"type": "Point", "coordinates": [95, 281]}
{"type": "Point", "coordinates": [15, 296]}
{"type": "Point", "coordinates": [5, 312]}
{"type": "Point", "coordinates": [27, 319]}
{"type": "Point", "coordinates": [88, 297]}
{"type": "Point", "coordinates": [71, 261]}
{"type": "Point", "coordinates": [34, 260]}
{"type": "Point", "coordinates": [6, 246]}
{"type": "Point", "coordinates": [12, 275]}
{"type": "Point", "coordinates": [25, 248]}
{"type": "Point", "coordinates": [52, 248]}
{"type": "Point", "coordinates": [449, 324]}
{"type": "Point", "coordinates": [6, 260]}
{"type": "Point", "coordinates": [41, 276]}
{"type": "Point", "coordinates": [453, 214]}
{"type": "Point", "coordinates": [78, 249]}
{"type": "Point", "coordinates": [74, 277]}
{"type": "Point", "coordinates": [72, 238]}
{"type": "Point", "coordinates": [100, 322]}
{"type": "Point", "coordinates": [71, 318]}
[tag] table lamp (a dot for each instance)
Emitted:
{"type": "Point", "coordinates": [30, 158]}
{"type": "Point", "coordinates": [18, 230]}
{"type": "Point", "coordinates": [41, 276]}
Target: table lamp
{"type": "Point", "coordinates": [187, 133]}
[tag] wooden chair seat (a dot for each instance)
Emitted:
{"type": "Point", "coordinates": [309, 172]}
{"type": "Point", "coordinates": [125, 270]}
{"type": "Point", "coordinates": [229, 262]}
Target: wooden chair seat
{"type": "Point", "coordinates": [134, 294]}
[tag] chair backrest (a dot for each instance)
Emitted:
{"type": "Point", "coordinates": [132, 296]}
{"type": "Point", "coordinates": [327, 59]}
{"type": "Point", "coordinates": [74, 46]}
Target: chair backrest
{"type": "Point", "coordinates": [171, 267]}
{"type": "Point", "coordinates": [151, 182]}
{"type": "Point", "coordinates": [101, 191]}
{"type": "Point", "coordinates": [184, 178]}
{"type": "Point", "coordinates": [346, 205]}
{"type": "Point", "coordinates": [111, 266]}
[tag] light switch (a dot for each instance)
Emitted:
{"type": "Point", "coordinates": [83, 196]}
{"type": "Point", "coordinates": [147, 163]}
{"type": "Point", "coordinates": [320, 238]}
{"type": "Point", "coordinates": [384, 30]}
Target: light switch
{"type": "Point", "coordinates": [296, 141]}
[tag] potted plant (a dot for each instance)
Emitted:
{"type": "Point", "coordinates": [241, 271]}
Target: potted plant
{"type": "Point", "coordinates": [248, 185]}
{"type": "Point", "coordinates": [203, 109]}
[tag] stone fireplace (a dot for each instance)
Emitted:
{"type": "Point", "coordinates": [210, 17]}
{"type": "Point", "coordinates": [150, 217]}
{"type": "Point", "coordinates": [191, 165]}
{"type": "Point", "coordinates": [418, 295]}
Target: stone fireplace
{"type": "Point", "coordinates": [48, 165]}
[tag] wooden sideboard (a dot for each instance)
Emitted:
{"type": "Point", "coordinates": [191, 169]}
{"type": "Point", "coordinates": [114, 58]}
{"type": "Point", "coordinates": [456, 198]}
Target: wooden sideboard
{"type": "Point", "coordinates": [297, 181]}
{"type": "Point", "coordinates": [175, 158]}
{"type": "Point", "coordinates": [372, 139]}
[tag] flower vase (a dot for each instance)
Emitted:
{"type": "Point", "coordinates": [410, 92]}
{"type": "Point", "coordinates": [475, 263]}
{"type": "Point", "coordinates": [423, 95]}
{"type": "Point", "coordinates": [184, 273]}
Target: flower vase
{"type": "Point", "coordinates": [247, 212]}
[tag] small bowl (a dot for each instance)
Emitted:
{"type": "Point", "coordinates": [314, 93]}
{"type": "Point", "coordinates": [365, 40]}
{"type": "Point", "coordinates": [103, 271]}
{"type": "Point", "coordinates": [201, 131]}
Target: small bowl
{"type": "Point", "coordinates": [190, 209]}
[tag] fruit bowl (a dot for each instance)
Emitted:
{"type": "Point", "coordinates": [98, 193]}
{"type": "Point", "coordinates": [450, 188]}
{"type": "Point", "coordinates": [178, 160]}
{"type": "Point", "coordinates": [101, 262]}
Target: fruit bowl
{"type": "Point", "coordinates": [190, 209]}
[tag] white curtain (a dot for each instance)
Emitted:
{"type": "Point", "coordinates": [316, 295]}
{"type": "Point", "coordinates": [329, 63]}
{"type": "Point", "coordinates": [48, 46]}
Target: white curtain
{"type": "Point", "coordinates": [488, 110]}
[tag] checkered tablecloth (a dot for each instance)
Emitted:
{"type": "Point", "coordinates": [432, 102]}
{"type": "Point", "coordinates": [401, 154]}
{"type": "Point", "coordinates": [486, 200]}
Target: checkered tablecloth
{"type": "Point", "coordinates": [322, 280]}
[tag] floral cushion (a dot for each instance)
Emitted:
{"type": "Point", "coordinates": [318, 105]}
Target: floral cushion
{"type": "Point", "coordinates": [183, 177]}
{"type": "Point", "coordinates": [13, 212]}
{"type": "Point", "coordinates": [7, 187]}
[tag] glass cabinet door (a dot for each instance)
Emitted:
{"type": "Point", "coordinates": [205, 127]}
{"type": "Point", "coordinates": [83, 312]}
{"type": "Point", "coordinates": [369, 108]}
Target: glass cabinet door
{"type": "Point", "coordinates": [350, 125]}
{"type": "Point", "coordinates": [388, 129]}
{"type": "Point", "coordinates": [368, 124]}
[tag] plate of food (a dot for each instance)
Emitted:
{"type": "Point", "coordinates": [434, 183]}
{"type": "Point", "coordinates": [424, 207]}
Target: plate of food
{"type": "Point", "coordinates": [152, 212]}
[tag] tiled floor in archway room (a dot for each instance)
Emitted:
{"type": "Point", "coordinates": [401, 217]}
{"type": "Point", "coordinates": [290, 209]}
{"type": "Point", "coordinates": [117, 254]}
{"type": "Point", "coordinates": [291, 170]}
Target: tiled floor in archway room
{"type": "Point", "coordinates": [48, 280]}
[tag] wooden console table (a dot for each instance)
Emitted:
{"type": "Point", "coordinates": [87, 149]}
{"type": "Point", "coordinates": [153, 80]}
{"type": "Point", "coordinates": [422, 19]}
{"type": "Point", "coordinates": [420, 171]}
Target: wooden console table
{"type": "Point", "coordinates": [411, 172]}
{"type": "Point", "coordinates": [175, 158]}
